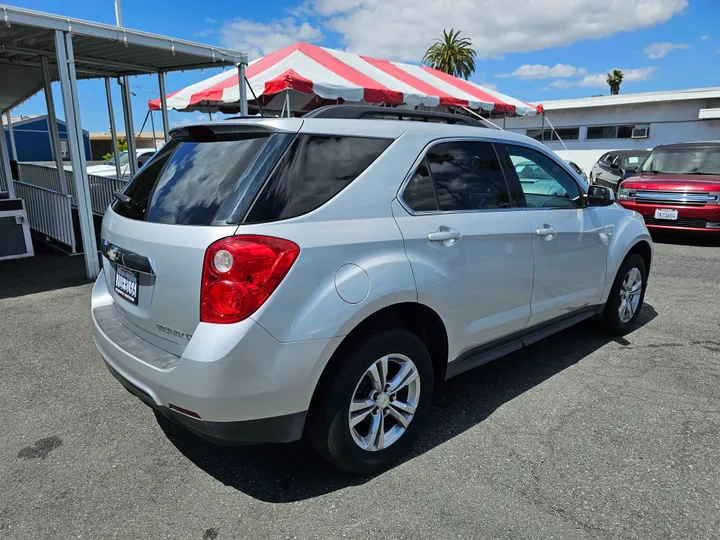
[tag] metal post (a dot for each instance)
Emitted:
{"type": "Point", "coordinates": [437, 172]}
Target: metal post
{"type": "Point", "coordinates": [118, 13]}
{"type": "Point", "coordinates": [5, 162]}
{"type": "Point", "coordinates": [129, 128]}
{"type": "Point", "coordinates": [113, 128]}
{"type": "Point", "coordinates": [13, 148]}
{"type": "Point", "coordinates": [287, 102]}
{"type": "Point", "coordinates": [504, 118]}
{"type": "Point", "coordinates": [163, 105]}
{"type": "Point", "coordinates": [542, 128]}
{"type": "Point", "coordinates": [52, 126]}
{"type": "Point", "coordinates": [243, 89]}
{"type": "Point", "coordinates": [68, 84]}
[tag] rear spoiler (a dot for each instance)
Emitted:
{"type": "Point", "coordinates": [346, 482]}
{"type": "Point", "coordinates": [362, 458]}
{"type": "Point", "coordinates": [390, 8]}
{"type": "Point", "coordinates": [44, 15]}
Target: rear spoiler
{"type": "Point", "coordinates": [236, 128]}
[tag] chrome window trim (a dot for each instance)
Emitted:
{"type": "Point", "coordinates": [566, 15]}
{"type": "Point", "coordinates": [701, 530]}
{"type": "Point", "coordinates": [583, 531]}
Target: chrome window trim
{"type": "Point", "coordinates": [419, 160]}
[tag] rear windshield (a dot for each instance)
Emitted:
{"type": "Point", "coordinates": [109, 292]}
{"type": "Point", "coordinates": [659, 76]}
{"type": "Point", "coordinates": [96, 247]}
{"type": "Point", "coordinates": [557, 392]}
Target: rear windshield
{"type": "Point", "coordinates": [188, 181]}
{"type": "Point", "coordinates": [313, 170]}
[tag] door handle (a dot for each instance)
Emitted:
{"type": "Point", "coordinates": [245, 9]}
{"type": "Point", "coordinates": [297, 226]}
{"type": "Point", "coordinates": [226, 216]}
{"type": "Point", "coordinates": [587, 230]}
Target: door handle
{"type": "Point", "coordinates": [446, 235]}
{"type": "Point", "coordinates": [547, 232]}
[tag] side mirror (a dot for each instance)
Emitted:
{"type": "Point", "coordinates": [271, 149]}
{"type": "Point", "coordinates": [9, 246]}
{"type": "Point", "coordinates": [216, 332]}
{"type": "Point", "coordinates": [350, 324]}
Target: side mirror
{"type": "Point", "coordinates": [600, 196]}
{"type": "Point", "coordinates": [631, 169]}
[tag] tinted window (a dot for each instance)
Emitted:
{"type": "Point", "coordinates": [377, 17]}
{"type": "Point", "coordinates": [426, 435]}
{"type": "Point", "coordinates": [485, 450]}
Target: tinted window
{"type": "Point", "coordinates": [419, 194]}
{"type": "Point", "coordinates": [544, 183]}
{"type": "Point", "coordinates": [186, 182]}
{"type": "Point", "coordinates": [602, 132]}
{"type": "Point", "coordinates": [467, 176]}
{"type": "Point", "coordinates": [313, 170]}
{"type": "Point", "coordinates": [566, 134]}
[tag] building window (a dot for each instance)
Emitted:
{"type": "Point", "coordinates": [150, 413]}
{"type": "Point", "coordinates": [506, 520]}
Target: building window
{"type": "Point", "coordinates": [610, 132]}
{"type": "Point", "coordinates": [566, 134]}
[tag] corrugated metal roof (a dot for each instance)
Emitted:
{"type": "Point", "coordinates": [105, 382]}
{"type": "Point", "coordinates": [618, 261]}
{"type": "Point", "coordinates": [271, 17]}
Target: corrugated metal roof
{"type": "Point", "coordinates": [100, 51]}
{"type": "Point", "coordinates": [632, 99]}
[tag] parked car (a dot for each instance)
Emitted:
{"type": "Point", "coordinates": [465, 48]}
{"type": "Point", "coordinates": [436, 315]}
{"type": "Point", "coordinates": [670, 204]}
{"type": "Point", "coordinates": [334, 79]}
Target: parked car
{"type": "Point", "coordinates": [108, 168]}
{"type": "Point", "coordinates": [270, 278]}
{"type": "Point", "coordinates": [677, 188]}
{"type": "Point", "coordinates": [575, 167]}
{"type": "Point", "coordinates": [613, 167]}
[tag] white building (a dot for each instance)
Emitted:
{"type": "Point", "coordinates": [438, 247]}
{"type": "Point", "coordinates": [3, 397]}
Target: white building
{"type": "Point", "coordinates": [589, 127]}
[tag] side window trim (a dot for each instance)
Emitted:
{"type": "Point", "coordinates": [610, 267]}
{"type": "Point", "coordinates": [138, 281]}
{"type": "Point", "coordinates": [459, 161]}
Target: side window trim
{"type": "Point", "coordinates": [513, 174]}
{"type": "Point", "coordinates": [515, 202]}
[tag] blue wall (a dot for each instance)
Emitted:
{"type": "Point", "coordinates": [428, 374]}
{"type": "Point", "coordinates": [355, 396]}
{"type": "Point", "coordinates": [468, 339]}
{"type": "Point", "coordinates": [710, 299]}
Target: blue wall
{"type": "Point", "coordinates": [33, 140]}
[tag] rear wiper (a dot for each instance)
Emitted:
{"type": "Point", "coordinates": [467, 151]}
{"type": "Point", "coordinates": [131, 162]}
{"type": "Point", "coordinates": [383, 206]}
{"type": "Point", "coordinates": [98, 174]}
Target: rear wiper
{"type": "Point", "coordinates": [129, 202]}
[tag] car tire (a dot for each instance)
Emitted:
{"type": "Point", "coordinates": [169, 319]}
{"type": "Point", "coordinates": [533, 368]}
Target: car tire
{"type": "Point", "coordinates": [355, 377]}
{"type": "Point", "coordinates": [625, 302]}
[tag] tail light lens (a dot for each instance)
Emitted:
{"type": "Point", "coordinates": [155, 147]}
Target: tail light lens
{"type": "Point", "coordinates": [240, 273]}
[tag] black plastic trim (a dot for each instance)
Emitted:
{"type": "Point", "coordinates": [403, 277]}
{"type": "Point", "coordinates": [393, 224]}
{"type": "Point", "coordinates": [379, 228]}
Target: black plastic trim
{"type": "Point", "coordinates": [495, 349]}
{"type": "Point", "coordinates": [276, 429]}
{"type": "Point", "coordinates": [129, 259]}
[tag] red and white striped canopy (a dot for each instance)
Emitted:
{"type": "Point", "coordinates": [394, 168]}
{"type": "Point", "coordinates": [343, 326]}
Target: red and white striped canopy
{"type": "Point", "coordinates": [317, 76]}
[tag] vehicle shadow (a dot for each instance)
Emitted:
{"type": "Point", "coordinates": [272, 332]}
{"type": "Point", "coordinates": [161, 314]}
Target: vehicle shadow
{"type": "Point", "coordinates": [292, 472]}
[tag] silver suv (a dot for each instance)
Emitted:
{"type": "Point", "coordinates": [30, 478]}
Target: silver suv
{"type": "Point", "coordinates": [269, 278]}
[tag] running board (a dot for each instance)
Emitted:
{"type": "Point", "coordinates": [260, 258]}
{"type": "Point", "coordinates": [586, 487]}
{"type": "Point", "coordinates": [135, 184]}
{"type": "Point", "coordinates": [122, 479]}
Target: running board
{"type": "Point", "coordinates": [494, 350]}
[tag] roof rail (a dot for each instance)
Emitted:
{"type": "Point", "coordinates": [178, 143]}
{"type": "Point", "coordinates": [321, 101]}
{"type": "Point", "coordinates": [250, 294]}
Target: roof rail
{"type": "Point", "coordinates": [361, 112]}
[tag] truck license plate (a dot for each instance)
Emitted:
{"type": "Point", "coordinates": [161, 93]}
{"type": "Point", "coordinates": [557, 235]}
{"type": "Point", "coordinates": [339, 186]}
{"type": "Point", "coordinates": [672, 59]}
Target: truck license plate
{"type": "Point", "coordinates": [662, 213]}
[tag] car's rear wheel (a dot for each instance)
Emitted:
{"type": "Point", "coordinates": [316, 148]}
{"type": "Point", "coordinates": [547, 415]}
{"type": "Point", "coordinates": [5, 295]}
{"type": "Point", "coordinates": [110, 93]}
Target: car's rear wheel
{"type": "Point", "coordinates": [626, 297]}
{"type": "Point", "coordinates": [372, 403]}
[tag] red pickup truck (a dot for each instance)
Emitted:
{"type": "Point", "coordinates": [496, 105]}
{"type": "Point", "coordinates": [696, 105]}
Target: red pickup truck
{"type": "Point", "coordinates": [677, 188]}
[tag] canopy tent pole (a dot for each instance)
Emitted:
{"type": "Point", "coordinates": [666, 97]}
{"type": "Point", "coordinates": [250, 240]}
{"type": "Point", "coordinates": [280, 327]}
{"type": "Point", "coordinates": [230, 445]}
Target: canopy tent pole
{"type": "Point", "coordinates": [504, 118]}
{"type": "Point", "coordinates": [13, 148]}
{"type": "Point", "coordinates": [243, 88]}
{"type": "Point", "coordinates": [129, 128]}
{"type": "Point", "coordinates": [287, 102]}
{"type": "Point", "coordinates": [163, 105]}
{"type": "Point", "coordinates": [113, 128]}
{"type": "Point", "coordinates": [542, 128]}
{"type": "Point", "coordinates": [52, 126]}
{"type": "Point", "coordinates": [152, 125]}
{"type": "Point", "coordinates": [68, 84]}
{"type": "Point", "coordinates": [5, 162]}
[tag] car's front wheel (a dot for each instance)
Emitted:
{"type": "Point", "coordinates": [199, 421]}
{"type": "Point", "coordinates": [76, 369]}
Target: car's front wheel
{"type": "Point", "coordinates": [626, 297]}
{"type": "Point", "coordinates": [372, 403]}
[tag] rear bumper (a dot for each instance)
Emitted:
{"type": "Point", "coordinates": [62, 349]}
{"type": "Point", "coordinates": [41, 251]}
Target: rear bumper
{"type": "Point", "coordinates": [690, 218]}
{"type": "Point", "coordinates": [243, 384]}
{"type": "Point", "coordinates": [277, 429]}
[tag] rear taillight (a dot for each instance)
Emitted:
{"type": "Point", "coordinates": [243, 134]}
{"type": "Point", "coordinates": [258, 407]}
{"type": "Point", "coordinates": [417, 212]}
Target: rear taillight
{"type": "Point", "coordinates": [240, 273]}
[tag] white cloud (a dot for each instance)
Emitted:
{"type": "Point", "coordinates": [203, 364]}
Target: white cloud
{"type": "Point", "coordinates": [599, 80]}
{"type": "Point", "coordinates": [403, 29]}
{"type": "Point", "coordinates": [662, 49]}
{"type": "Point", "coordinates": [258, 39]}
{"type": "Point", "coordinates": [705, 37]}
{"type": "Point", "coordinates": [539, 71]}
{"type": "Point", "coordinates": [489, 85]}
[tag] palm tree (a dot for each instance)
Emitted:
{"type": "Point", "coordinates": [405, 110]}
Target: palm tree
{"type": "Point", "coordinates": [615, 79]}
{"type": "Point", "coordinates": [452, 54]}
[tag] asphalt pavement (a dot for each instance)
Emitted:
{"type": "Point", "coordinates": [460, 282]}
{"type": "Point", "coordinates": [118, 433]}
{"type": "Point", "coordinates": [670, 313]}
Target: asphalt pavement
{"type": "Point", "coordinates": [578, 436]}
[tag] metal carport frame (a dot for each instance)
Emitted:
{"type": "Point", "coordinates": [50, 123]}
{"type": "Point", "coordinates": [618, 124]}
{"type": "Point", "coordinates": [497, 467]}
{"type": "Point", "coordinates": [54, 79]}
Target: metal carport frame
{"type": "Point", "coordinates": [36, 46]}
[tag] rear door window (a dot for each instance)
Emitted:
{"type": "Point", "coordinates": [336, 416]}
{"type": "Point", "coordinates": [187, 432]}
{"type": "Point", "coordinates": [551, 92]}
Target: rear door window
{"type": "Point", "coordinates": [313, 170]}
{"type": "Point", "coordinates": [467, 176]}
{"type": "Point", "coordinates": [187, 181]}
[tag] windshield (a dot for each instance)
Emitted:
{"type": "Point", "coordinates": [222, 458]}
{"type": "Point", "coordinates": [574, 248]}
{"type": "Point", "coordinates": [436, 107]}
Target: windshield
{"type": "Point", "coordinates": [123, 159]}
{"type": "Point", "coordinates": [691, 160]}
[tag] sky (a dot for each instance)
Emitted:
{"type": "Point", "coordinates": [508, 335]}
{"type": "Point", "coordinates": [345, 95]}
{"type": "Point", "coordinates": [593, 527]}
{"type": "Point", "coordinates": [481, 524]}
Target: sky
{"type": "Point", "coordinates": [533, 50]}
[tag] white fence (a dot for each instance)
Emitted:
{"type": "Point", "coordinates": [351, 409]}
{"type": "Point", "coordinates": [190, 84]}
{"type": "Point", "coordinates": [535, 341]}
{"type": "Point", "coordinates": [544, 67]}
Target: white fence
{"type": "Point", "coordinates": [48, 212]}
{"type": "Point", "coordinates": [101, 188]}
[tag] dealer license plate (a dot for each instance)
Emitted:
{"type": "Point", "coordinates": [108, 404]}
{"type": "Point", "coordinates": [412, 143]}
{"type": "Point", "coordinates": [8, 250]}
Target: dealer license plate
{"type": "Point", "coordinates": [126, 281]}
{"type": "Point", "coordinates": [662, 213]}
